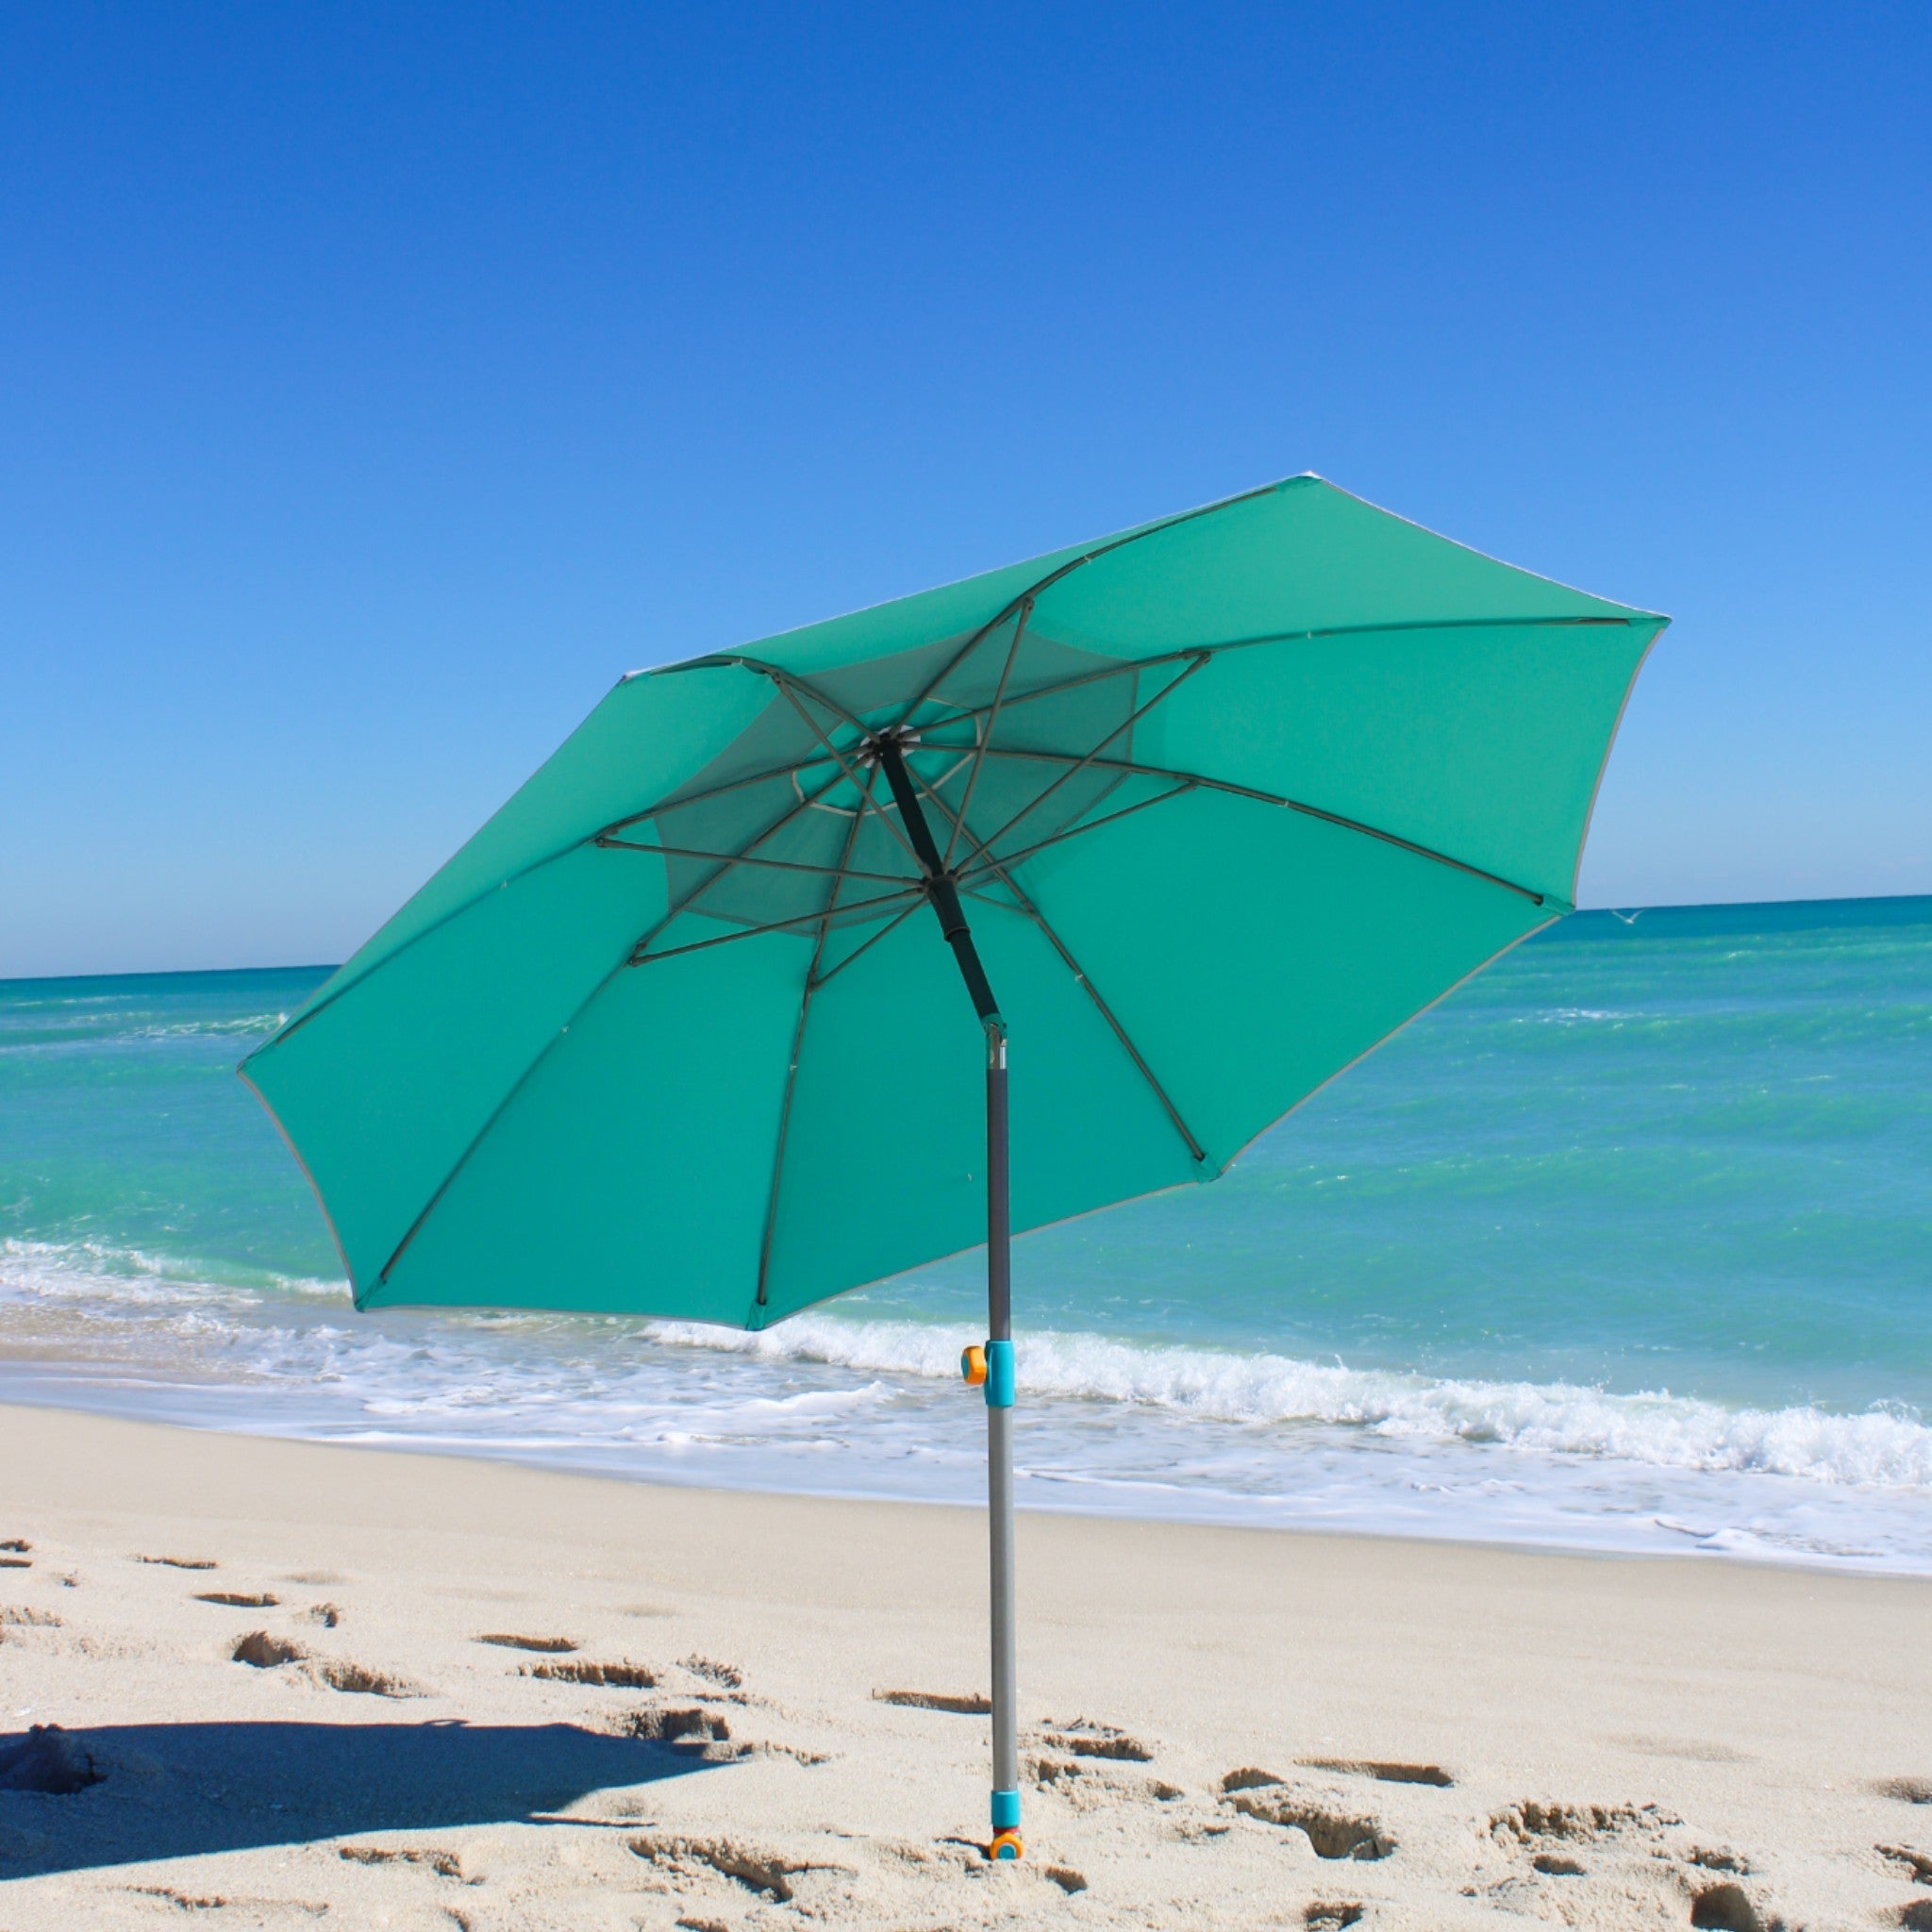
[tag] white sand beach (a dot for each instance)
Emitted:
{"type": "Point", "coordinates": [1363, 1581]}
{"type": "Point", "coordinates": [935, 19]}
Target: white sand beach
{"type": "Point", "coordinates": [299, 1685]}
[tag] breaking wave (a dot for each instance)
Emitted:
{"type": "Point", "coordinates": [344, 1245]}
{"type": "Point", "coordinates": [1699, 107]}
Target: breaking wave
{"type": "Point", "coordinates": [1888, 1447]}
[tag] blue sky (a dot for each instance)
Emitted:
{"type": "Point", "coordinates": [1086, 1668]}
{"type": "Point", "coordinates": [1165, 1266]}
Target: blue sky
{"type": "Point", "coordinates": [379, 382]}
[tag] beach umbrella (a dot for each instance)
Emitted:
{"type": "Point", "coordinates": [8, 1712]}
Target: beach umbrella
{"type": "Point", "coordinates": [1202, 811]}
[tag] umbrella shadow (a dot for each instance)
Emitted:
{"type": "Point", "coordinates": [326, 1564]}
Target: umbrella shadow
{"type": "Point", "coordinates": [117, 1794]}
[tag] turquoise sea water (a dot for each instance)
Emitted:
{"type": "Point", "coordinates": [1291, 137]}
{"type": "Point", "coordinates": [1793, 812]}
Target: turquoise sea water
{"type": "Point", "coordinates": [1628, 1244]}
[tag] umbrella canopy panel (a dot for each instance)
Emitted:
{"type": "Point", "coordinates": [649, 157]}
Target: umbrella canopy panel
{"type": "Point", "coordinates": [1228, 798]}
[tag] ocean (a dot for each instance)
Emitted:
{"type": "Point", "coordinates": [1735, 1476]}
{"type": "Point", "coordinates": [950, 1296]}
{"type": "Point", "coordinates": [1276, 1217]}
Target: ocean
{"type": "Point", "coordinates": [1627, 1246]}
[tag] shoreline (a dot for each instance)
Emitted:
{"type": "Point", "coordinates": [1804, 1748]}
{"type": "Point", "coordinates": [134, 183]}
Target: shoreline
{"type": "Point", "coordinates": [1636, 1719]}
{"type": "Point", "coordinates": [1600, 1523]}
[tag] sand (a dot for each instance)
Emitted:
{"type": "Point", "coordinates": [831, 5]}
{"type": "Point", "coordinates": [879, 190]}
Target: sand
{"type": "Point", "coordinates": [301, 1686]}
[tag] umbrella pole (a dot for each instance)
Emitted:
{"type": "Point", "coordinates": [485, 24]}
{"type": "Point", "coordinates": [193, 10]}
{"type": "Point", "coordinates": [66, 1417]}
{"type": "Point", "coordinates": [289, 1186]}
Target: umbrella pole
{"type": "Point", "coordinates": [993, 1364]}
{"type": "Point", "coordinates": [999, 1450]}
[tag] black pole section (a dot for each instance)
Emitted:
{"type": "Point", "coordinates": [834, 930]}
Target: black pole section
{"type": "Point", "coordinates": [940, 888]}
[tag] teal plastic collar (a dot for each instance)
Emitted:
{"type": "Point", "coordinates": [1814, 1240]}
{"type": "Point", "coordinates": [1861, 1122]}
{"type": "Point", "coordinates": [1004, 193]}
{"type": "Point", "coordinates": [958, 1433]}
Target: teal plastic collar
{"type": "Point", "coordinates": [999, 1374]}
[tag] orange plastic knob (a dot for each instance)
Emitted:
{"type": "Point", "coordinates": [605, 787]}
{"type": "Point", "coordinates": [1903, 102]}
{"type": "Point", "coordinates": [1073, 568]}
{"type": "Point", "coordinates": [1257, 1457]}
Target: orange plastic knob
{"type": "Point", "coordinates": [1007, 1844]}
{"type": "Point", "coordinates": [973, 1365]}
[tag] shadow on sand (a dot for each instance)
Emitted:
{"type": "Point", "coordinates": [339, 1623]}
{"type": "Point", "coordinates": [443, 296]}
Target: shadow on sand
{"type": "Point", "coordinates": [124, 1793]}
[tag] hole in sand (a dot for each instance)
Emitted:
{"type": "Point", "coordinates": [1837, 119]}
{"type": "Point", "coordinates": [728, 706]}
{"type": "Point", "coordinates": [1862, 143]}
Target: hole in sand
{"type": "Point", "coordinates": [625, 1676]}
{"type": "Point", "coordinates": [1916, 1917]}
{"type": "Point", "coordinates": [728, 1676]}
{"type": "Point", "coordinates": [1383, 1771]}
{"type": "Point", "coordinates": [238, 1599]}
{"type": "Point", "coordinates": [17, 1545]}
{"type": "Point", "coordinates": [1908, 1790]}
{"type": "Point", "coordinates": [266, 1652]}
{"type": "Point", "coordinates": [1321, 1917]}
{"type": "Point", "coordinates": [1066, 1877]}
{"type": "Point", "coordinates": [1553, 1865]}
{"type": "Point", "coordinates": [969, 1705]}
{"type": "Point", "coordinates": [181, 1562]}
{"type": "Point", "coordinates": [327, 1615]}
{"type": "Point", "coordinates": [1727, 1909]}
{"type": "Point", "coordinates": [508, 1640]}
{"type": "Point", "coordinates": [49, 1761]}
{"type": "Point", "coordinates": [1248, 1779]}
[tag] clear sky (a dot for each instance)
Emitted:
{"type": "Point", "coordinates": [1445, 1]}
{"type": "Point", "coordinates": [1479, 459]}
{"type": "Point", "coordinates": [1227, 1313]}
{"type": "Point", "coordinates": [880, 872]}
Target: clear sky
{"type": "Point", "coordinates": [378, 382]}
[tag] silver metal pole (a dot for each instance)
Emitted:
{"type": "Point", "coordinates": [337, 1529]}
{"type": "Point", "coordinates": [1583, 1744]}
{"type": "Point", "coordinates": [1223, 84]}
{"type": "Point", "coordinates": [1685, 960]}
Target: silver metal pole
{"type": "Point", "coordinates": [999, 1452]}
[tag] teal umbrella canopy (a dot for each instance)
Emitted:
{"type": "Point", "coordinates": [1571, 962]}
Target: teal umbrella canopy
{"type": "Point", "coordinates": [1226, 800]}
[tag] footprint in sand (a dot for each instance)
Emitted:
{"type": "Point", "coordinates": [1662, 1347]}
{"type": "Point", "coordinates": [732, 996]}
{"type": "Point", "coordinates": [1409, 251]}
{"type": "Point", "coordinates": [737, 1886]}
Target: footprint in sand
{"type": "Point", "coordinates": [429, 1858]}
{"type": "Point", "coordinates": [1094, 1787]}
{"type": "Point", "coordinates": [1382, 1770]}
{"type": "Point", "coordinates": [699, 1732]}
{"type": "Point", "coordinates": [1324, 1916]}
{"type": "Point", "coordinates": [181, 1562]}
{"type": "Point", "coordinates": [770, 1875]}
{"type": "Point", "coordinates": [1908, 1790]}
{"type": "Point", "coordinates": [726, 1676]}
{"type": "Point", "coordinates": [507, 1640]}
{"type": "Point", "coordinates": [1083, 1738]}
{"type": "Point", "coordinates": [618, 1676]}
{"type": "Point", "coordinates": [961, 1704]}
{"type": "Point", "coordinates": [238, 1599]}
{"type": "Point", "coordinates": [1330, 1823]}
{"type": "Point", "coordinates": [1634, 1849]}
{"type": "Point", "coordinates": [265, 1651]}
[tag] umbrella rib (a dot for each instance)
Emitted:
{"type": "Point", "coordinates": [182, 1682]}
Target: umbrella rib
{"type": "Point", "coordinates": [1040, 918]}
{"type": "Point", "coordinates": [829, 872]}
{"type": "Point", "coordinates": [677, 801]}
{"type": "Point", "coordinates": [1081, 764]}
{"type": "Point", "coordinates": [818, 952]}
{"type": "Point", "coordinates": [852, 958]}
{"type": "Point", "coordinates": [1010, 859]}
{"type": "Point", "coordinates": [752, 932]}
{"type": "Point", "coordinates": [1295, 805]}
{"type": "Point", "coordinates": [985, 738]}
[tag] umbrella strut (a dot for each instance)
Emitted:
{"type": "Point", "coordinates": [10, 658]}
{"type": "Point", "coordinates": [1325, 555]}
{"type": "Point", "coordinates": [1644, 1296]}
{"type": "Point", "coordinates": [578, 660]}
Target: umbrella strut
{"type": "Point", "coordinates": [993, 1365]}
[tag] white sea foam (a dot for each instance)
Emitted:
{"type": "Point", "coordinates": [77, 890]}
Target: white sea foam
{"type": "Point", "coordinates": [1886, 1447]}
